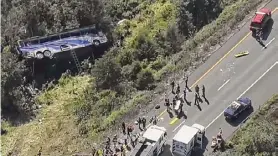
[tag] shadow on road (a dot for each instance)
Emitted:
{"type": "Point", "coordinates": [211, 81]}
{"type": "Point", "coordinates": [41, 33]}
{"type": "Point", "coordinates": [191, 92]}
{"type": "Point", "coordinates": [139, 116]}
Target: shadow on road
{"type": "Point", "coordinates": [206, 100]}
{"type": "Point", "coordinates": [181, 115]}
{"type": "Point", "coordinates": [267, 30]}
{"type": "Point", "coordinates": [171, 115]}
{"type": "Point", "coordinates": [200, 152]}
{"type": "Point", "coordinates": [167, 151]}
{"type": "Point", "coordinates": [241, 119]}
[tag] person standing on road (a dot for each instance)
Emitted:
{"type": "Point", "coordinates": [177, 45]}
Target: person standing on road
{"type": "Point", "coordinates": [139, 122]}
{"type": "Point", "coordinates": [197, 89]}
{"type": "Point", "coordinates": [186, 81]}
{"type": "Point", "coordinates": [123, 128]}
{"type": "Point", "coordinates": [173, 86]}
{"type": "Point", "coordinates": [144, 121]}
{"type": "Point", "coordinates": [155, 120]}
{"type": "Point", "coordinates": [184, 94]}
{"type": "Point", "coordinates": [178, 89]}
{"type": "Point", "coordinates": [167, 104]}
{"type": "Point", "coordinates": [203, 91]}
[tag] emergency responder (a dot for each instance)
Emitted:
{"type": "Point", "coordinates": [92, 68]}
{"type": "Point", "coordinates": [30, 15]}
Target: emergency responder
{"type": "Point", "coordinates": [181, 105]}
{"type": "Point", "coordinates": [167, 104]}
{"type": "Point", "coordinates": [186, 81]}
{"type": "Point", "coordinates": [155, 120]}
{"type": "Point", "coordinates": [203, 91]}
{"type": "Point", "coordinates": [173, 86]}
{"type": "Point", "coordinates": [129, 130]}
{"type": "Point", "coordinates": [115, 139]}
{"type": "Point", "coordinates": [197, 89]}
{"type": "Point", "coordinates": [144, 121]}
{"type": "Point", "coordinates": [123, 128]}
{"type": "Point", "coordinates": [108, 140]}
{"type": "Point", "coordinates": [176, 97]}
{"type": "Point", "coordinates": [139, 122]}
{"type": "Point", "coordinates": [178, 89]}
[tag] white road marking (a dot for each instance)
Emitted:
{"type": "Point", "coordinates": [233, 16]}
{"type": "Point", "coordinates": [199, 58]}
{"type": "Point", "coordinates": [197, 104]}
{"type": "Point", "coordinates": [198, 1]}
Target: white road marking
{"type": "Point", "coordinates": [269, 43]}
{"type": "Point", "coordinates": [245, 91]}
{"type": "Point", "coordinates": [179, 125]}
{"type": "Point", "coordinates": [223, 85]}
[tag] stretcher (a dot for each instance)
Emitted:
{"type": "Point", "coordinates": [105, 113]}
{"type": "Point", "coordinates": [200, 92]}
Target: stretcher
{"type": "Point", "coordinates": [177, 107]}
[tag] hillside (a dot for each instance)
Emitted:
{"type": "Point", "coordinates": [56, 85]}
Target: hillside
{"type": "Point", "coordinates": [259, 134]}
{"type": "Point", "coordinates": [72, 113]}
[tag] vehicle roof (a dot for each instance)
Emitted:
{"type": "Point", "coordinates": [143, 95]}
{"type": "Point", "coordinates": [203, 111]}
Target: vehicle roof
{"type": "Point", "coordinates": [154, 133]}
{"type": "Point", "coordinates": [198, 126]}
{"type": "Point", "coordinates": [260, 15]}
{"type": "Point", "coordinates": [232, 107]}
{"type": "Point", "coordinates": [244, 100]}
{"type": "Point", "coordinates": [258, 18]}
{"type": "Point", "coordinates": [185, 134]}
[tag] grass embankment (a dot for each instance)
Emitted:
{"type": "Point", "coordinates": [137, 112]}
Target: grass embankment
{"type": "Point", "coordinates": [58, 133]}
{"type": "Point", "coordinates": [259, 135]}
{"type": "Point", "coordinates": [55, 129]}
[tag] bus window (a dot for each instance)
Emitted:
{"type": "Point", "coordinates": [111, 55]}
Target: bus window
{"type": "Point", "coordinates": [53, 38]}
{"type": "Point", "coordinates": [43, 40]}
{"type": "Point", "coordinates": [76, 33]}
{"type": "Point", "coordinates": [85, 31]}
{"type": "Point", "coordinates": [33, 42]}
{"type": "Point", "coordinates": [65, 35]}
{"type": "Point", "coordinates": [93, 31]}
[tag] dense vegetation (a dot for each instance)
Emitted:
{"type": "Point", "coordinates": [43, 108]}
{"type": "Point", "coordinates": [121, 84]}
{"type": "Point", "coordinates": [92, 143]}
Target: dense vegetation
{"type": "Point", "coordinates": [158, 38]}
{"type": "Point", "coordinates": [259, 135]}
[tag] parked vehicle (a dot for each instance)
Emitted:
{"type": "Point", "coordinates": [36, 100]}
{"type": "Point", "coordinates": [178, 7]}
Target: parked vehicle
{"type": "Point", "coordinates": [187, 139]}
{"type": "Point", "coordinates": [237, 107]}
{"type": "Point", "coordinates": [260, 20]}
{"type": "Point", "coordinates": [152, 142]}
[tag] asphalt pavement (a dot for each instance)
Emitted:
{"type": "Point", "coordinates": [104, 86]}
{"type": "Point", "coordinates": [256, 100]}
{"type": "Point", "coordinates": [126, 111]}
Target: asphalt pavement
{"type": "Point", "coordinates": [254, 76]}
{"type": "Point", "coordinates": [227, 78]}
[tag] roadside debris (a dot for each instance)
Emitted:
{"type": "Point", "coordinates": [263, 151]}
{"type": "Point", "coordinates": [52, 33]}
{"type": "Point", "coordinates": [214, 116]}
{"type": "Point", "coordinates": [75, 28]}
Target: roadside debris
{"type": "Point", "coordinates": [244, 53]}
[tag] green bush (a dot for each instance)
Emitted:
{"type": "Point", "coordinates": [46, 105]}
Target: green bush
{"type": "Point", "coordinates": [145, 79]}
{"type": "Point", "coordinates": [130, 71]}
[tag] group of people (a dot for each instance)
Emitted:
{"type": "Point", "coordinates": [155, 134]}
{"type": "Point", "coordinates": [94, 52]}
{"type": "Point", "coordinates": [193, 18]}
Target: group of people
{"type": "Point", "coordinates": [128, 129]}
{"type": "Point", "coordinates": [176, 91]}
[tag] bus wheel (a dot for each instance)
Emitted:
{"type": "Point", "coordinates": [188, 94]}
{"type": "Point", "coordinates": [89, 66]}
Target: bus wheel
{"type": "Point", "coordinates": [47, 53]}
{"type": "Point", "coordinates": [39, 55]}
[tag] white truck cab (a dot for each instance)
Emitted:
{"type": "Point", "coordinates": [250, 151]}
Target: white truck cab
{"type": "Point", "coordinates": [188, 138]}
{"type": "Point", "coordinates": [152, 142]}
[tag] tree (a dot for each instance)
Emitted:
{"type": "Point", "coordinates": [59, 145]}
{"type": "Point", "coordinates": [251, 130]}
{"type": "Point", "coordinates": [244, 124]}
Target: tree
{"type": "Point", "coordinates": [107, 72]}
{"type": "Point", "coordinates": [185, 18]}
{"type": "Point", "coordinates": [49, 16]}
{"type": "Point", "coordinates": [145, 79]}
{"type": "Point", "coordinates": [16, 101]}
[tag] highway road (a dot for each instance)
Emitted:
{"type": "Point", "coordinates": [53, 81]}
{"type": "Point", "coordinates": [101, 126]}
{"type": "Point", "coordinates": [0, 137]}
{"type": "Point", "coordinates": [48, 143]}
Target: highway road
{"type": "Point", "coordinates": [254, 76]}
